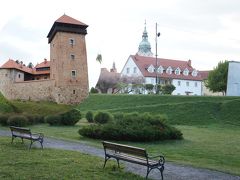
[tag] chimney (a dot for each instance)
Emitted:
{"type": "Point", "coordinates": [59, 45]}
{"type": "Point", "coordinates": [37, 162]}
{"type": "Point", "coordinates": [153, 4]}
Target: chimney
{"type": "Point", "coordinates": [45, 61]}
{"type": "Point", "coordinates": [189, 62]}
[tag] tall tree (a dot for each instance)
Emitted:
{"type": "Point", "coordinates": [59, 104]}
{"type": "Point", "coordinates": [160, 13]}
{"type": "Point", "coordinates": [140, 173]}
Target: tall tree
{"type": "Point", "coordinates": [217, 79]}
{"type": "Point", "coordinates": [99, 58]}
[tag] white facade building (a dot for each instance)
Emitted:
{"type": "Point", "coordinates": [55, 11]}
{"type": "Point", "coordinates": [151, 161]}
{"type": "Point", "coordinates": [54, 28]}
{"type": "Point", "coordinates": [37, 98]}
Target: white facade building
{"type": "Point", "coordinates": [233, 82]}
{"type": "Point", "coordinates": [179, 73]}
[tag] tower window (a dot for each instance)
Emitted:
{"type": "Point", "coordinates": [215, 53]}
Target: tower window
{"type": "Point", "coordinates": [72, 56]}
{"type": "Point", "coordinates": [74, 92]}
{"type": "Point", "coordinates": [74, 73]}
{"type": "Point", "coordinates": [71, 41]}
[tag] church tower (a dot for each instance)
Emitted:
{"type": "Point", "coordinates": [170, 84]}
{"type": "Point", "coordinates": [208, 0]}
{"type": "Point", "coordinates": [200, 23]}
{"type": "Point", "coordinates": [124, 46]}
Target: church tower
{"type": "Point", "coordinates": [68, 60]}
{"type": "Point", "coordinates": [144, 48]}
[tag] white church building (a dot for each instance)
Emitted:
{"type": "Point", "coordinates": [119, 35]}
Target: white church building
{"type": "Point", "coordinates": [181, 74]}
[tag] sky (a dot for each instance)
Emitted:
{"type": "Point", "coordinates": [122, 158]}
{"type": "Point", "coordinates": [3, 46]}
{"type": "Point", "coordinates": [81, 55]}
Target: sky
{"type": "Point", "coordinates": [205, 31]}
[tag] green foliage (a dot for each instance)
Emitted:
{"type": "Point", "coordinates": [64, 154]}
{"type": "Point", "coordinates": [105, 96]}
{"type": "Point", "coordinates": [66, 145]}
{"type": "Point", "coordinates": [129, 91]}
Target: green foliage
{"type": "Point", "coordinates": [34, 118]}
{"type": "Point", "coordinates": [89, 116]}
{"type": "Point", "coordinates": [53, 120]}
{"type": "Point", "coordinates": [6, 106]}
{"type": "Point", "coordinates": [133, 127]}
{"type": "Point", "coordinates": [70, 118]}
{"type": "Point", "coordinates": [217, 79]}
{"type": "Point", "coordinates": [93, 90]}
{"type": "Point", "coordinates": [4, 119]}
{"type": "Point", "coordinates": [159, 88]}
{"type": "Point", "coordinates": [17, 120]}
{"type": "Point", "coordinates": [103, 117]}
{"type": "Point", "coordinates": [168, 89]}
{"type": "Point", "coordinates": [149, 87]}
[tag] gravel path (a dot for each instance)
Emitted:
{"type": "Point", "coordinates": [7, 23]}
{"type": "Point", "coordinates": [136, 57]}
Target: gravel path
{"type": "Point", "coordinates": [171, 172]}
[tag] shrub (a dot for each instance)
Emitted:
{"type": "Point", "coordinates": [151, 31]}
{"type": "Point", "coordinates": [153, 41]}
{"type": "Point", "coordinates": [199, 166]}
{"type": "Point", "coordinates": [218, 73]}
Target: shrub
{"type": "Point", "coordinates": [71, 117]}
{"type": "Point", "coordinates": [17, 120]}
{"type": "Point", "coordinates": [93, 90]}
{"type": "Point", "coordinates": [53, 120]}
{"type": "Point", "coordinates": [34, 119]}
{"type": "Point", "coordinates": [132, 127]}
{"type": "Point", "coordinates": [103, 117]}
{"type": "Point", "coordinates": [3, 119]}
{"type": "Point", "coordinates": [89, 116]}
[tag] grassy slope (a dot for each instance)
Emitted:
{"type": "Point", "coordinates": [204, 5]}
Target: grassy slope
{"type": "Point", "coordinates": [17, 162]}
{"type": "Point", "coordinates": [182, 110]}
{"type": "Point", "coordinates": [5, 105]}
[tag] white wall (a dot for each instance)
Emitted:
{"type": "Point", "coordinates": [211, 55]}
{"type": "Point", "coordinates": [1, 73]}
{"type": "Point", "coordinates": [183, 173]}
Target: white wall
{"type": "Point", "coordinates": [131, 65]}
{"type": "Point", "coordinates": [233, 82]}
{"type": "Point", "coordinates": [182, 88]}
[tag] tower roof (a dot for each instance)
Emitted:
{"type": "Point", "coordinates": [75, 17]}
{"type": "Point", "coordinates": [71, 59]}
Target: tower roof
{"type": "Point", "coordinates": [67, 24]}
{"type": "Point", "coordinates": [144, 48]}
{"type": "Point", "coordinates": [69, 20]}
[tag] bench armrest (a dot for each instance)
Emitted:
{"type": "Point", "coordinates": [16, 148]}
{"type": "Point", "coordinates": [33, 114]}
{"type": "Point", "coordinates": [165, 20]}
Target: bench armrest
{"type": "Point", "coordinates": [41, 135]}
{"type": "Point", "coordinates": [161, 159]}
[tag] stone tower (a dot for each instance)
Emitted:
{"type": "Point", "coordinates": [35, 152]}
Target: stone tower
{"type": "Point", "coordinates": [68, 60]}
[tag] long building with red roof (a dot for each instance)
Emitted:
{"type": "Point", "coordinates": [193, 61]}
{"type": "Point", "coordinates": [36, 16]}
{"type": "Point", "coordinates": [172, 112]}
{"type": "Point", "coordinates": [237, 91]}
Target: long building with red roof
{"type": "Point", "coordinates": [180, 73]}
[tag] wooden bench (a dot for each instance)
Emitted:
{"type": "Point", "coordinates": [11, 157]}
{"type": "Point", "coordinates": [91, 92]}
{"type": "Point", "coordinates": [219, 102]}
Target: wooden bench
{"type": "Point", "coordinates": [25, 133]}
{"type": "Point", "coordinates": [134, 155]}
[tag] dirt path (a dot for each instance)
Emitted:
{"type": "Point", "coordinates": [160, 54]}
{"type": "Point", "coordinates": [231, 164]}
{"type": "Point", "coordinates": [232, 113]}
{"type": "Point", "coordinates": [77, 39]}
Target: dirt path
{"type": "Point", "coordinates": [171, 172]}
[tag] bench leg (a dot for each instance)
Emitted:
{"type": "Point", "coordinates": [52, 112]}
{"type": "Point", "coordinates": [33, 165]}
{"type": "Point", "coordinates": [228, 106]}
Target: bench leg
{"type": "Point", "coordinates": [41, 142]}
{"type": "Point", "coordinates": [30, 145]}
{"type": "Point", "coordinates": [106, 158]}
{"type": "Point", "coordinates": [148, 171]}
{"type": "Point", "coordinates": [12, 139]}
{"type": "Point", "coordinates": [22, 140]}
{"type": "Point", "coordinates": [118, 163]}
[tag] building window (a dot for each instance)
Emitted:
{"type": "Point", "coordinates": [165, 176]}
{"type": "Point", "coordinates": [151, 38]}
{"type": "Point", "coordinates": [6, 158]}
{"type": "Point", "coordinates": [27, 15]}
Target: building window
{"type": "Point", "coordinates": [196, 84]}
{"type": "Point", "coordinates": [185, 72]}
{"type": "Point", "coordinates": [74, 91]}
{"type": "Point", "coordinates": [128, 70]}
{"type": "Point", "coordinates": [194, 73]}
{"type": "Point", "coordinates": [169, 70]}
{"type": "Point", "coordinates": [160, 69]}
{"type": "Point", "coordinates": [53, 45]}
{"type": "Point", "coordinates": [45, 77]}
{"type": "Point", "coordinates": [177, 71]}
{"type": "Point", "coordinates": [72, 56]}
{"type": "Point", "coordinates": [187, 83]}
{"type": "Point", "coordinates": [71, 41]}
{"type": "Point", "coordinates": [74, 73]}
{"type": "Point", "coordinates": [19, 76]}
{"type": "Point", "coordinates": [179, 83]}
{"type": "Point", "coordinates": [134, 70]}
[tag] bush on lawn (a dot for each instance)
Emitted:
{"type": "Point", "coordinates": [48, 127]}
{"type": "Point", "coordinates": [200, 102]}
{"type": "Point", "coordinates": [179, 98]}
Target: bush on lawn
{"type": "Point", "coordinates": [3, 119]}
{"type": "Point", "coordinates": [103, 117]}
{"type": "Point", "coordinates": [17, 120]}
{"type": "Point", "coordinates": [132, 127]}
{"type": "Point", "coordinates": [53, 120]}
{"type": "Point", "coordinates": [89, 116]}
{"type": "Point", "coordinates": [68, 118]}
{"type": "Point", "coordinates": [34, 119]}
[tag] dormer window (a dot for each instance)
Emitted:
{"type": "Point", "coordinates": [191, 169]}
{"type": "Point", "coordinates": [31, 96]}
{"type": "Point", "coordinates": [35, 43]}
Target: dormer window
{"type": "Point", "coordinates": [150, 69]}
{"type": "Point", "coordinates": [160, 69]}
{"type": "Point", "coordinates": [169, 70]}
{"type": "Point", "coordinates": [177, 71]}
{"type": "Point", "coordinates": [186, 72]}
{"type": "Point", "coordinates": [194, 73]}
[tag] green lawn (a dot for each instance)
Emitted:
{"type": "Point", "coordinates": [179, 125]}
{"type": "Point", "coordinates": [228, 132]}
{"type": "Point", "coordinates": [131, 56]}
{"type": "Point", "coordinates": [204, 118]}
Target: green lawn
{"type": "Point", "coordinates": [17, 162]}
{"type": "Point", "coordinates": [210, 126]}
{"type": "Point", "coordinates": [215, 147]}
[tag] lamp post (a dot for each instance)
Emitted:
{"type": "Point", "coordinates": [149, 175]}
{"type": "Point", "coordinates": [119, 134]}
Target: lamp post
{"type": "Point", "coordinates": [157, 35]}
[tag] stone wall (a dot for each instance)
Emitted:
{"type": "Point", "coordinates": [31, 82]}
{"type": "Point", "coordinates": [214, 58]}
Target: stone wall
{"type": "Point", "coordinates": [40, 90]}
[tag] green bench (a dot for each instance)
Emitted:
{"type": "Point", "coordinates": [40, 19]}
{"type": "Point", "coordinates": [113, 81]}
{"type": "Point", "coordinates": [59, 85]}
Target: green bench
{"type": "Point", "coordinates": [133, 155]}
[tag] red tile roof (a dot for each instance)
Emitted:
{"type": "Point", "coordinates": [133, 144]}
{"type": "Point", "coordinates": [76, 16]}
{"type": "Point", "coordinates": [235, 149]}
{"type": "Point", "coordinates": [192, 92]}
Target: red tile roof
{"type": "Point", "coordinates": [69, 20]}
{"type": "Point", "coordinates": [11, 64]}
{"type": "Point", "coordinates": [204, 74]}
{"type": "Point", "coordinates": [144, 62]}
{"type": "Point", "coordinates": [43, 64]}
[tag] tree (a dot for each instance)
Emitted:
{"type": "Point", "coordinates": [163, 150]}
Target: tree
{"type": "Point", "coordinates": [168, 89]}
{"type": "Point", "coordinates": [30, 65]}
{"type": "Point", "coordinates": [93, 90]}
{"type": "Point", "coordinates": [217, 79]}
{"type": "Point", "coordinates": [99, 58]}
{"type": "Point", "coordinates": [149, 87]}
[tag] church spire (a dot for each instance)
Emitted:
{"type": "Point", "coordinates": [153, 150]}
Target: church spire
{"type": "Point", "coordinates": [144, 48]}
